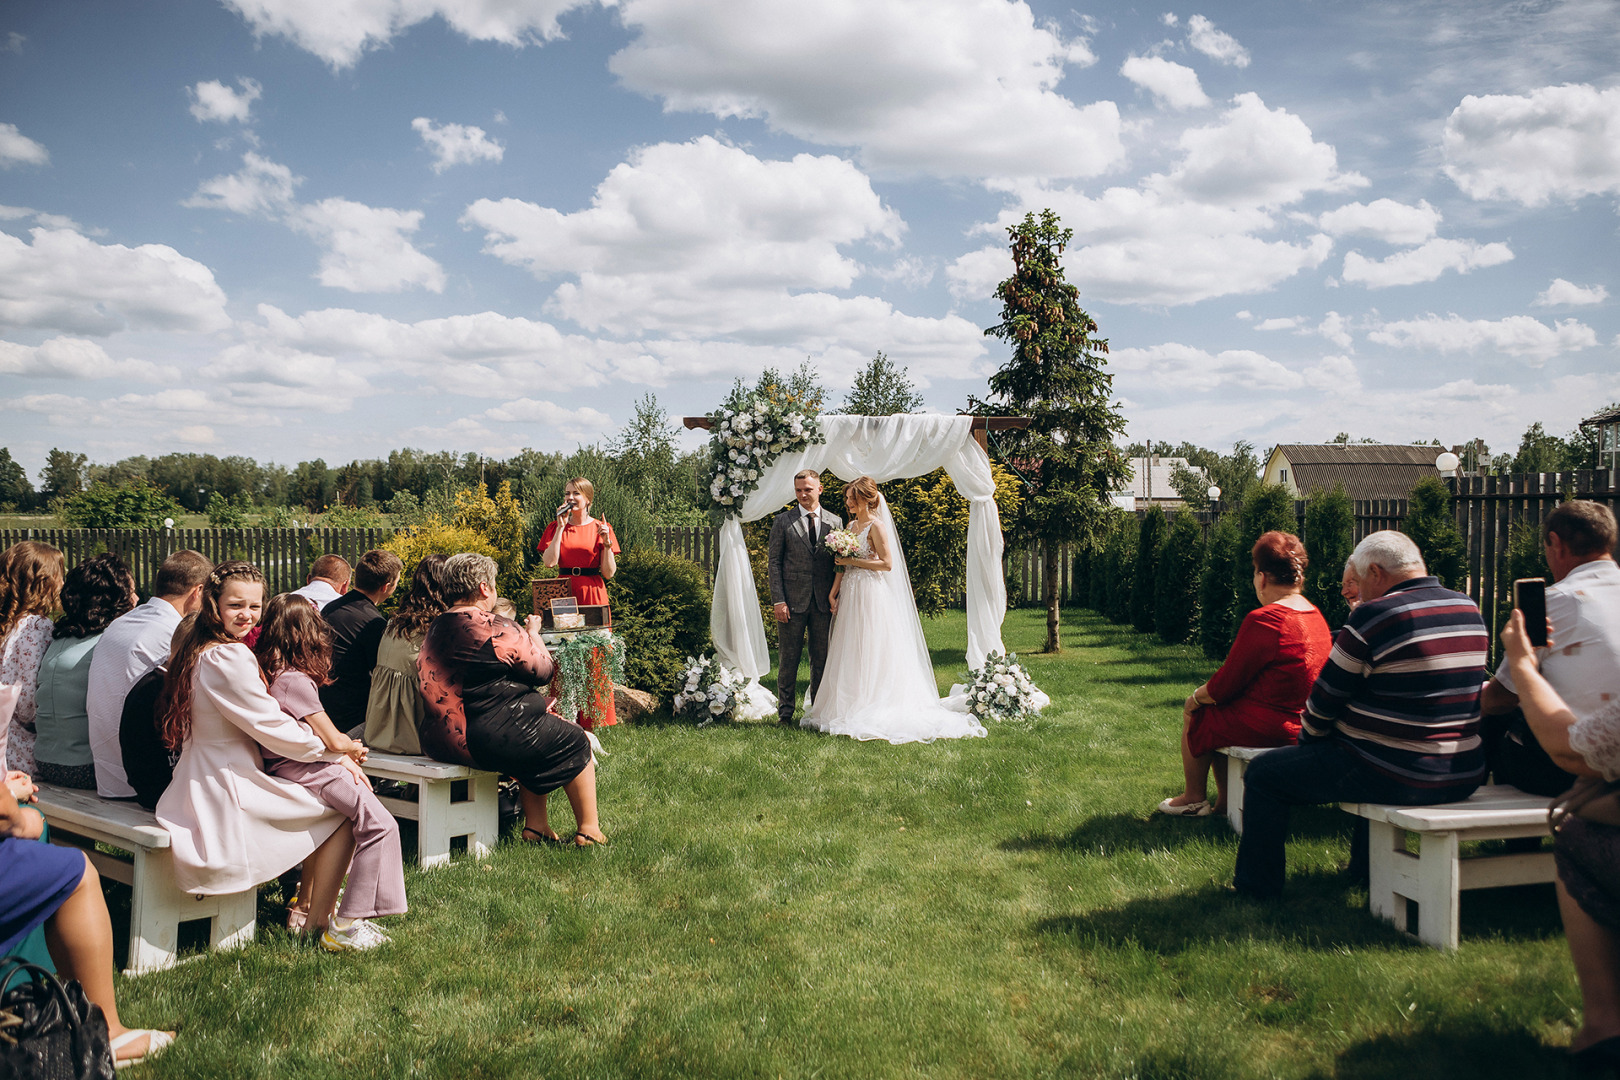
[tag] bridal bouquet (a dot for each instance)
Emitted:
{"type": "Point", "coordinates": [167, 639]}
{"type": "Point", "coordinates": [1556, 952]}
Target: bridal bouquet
{"type": "Point", "coordinates": [842, 543]}
{"type": "Point", "coordinates": [1002, 690]}
{"type": "Point", "coordinates": [709, 692]}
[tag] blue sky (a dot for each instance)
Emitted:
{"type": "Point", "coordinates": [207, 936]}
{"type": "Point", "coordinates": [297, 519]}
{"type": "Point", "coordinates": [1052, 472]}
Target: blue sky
{"type": "Point", "coordinates": [292, 230]}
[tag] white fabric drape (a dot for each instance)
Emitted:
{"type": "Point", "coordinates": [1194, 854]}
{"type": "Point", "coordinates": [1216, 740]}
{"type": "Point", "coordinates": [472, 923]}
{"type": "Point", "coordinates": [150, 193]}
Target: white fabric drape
{"type": "Point", "coordinates": [884, 448]}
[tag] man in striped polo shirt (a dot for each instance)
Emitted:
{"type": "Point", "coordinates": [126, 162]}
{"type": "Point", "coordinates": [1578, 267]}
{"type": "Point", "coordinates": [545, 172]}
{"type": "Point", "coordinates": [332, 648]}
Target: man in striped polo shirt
{"type": "Point", "coordinates": [1393, 718]}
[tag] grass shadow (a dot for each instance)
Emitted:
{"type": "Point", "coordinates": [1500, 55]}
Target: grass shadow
{"type": "Point", "coordinates": [1110, 834]}
{"type": "Point", "coordinates": [1450, 1052]}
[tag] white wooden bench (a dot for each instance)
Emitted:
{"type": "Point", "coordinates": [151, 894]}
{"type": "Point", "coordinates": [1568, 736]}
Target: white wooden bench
{"type": "Point", "coordinates": [1238, 760]}
{"type": "Point", "coordinates": [1433, 878]}
{"type": "Point", "coordinates": [80, 819]}
{"type": "Point", "coordinates": [452, 801]}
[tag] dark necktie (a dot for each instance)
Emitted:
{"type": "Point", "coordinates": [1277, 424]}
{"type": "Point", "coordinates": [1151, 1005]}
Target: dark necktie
{"type": "Point", "coordinates": [809, 530]}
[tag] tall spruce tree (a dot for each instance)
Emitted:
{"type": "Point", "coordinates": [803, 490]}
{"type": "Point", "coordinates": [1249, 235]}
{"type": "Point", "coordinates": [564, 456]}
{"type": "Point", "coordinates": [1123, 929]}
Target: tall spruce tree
{"type": "Point", "coordinates": [1175, 593]}
{"type": "Point", "coordinates": [1330, 531]}
{"type": "Point", "coordinates": [1145, 581]}
{"type": "Point", "coordinates": [1268, 507]}
{"type": "Point", "coordinates": [1056, 377]}
{"type": "Point", "coordinates": [1215, 593]}
{"type": "Point", "coordinates": [1433, 528]}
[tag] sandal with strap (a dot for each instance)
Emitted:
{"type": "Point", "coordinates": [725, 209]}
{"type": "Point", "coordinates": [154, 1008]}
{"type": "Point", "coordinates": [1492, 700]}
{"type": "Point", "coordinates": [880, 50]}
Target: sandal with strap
{"type": "Point", "coordinates": [587, 840]}
{"type": "Point", "coordinates": [156, 1043]}
{"type": "Point", "coordinates": [540, 838]}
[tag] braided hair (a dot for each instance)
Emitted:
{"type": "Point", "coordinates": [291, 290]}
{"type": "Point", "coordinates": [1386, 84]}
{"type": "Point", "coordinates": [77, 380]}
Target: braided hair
{"type": "Point", "coordinates": [174, 706]}
{"type": "Point", "coordinates": [1281, 557]}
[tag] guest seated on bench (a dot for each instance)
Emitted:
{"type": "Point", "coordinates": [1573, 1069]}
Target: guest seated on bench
{"type": "Point", "coordinates": [1393, 717]}
{"type": "Point", "coordinates": [481, 675]}
{"type": "Point", "coordinates": [57, 887]}
{"type": "Point", "coordinates": [30, 582]}
{"type": "Point", "coordinates": [1255, 699]}
{"type": "Point", "coordinates": [394, 711]}
{"type": "Point", "coordinates": [94, 593]}
{"type": "Point", "coordinates": [356, 631]}
{"type": "Point", "coordinates": [294, 651]}
{"type": "Point", "coordinates": [1587, 851]}
{"type": "Point", "coordinates": [232, 825]}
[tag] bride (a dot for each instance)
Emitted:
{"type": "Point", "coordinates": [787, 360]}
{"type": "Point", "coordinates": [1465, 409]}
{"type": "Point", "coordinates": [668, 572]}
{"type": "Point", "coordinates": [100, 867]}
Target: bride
{"type": "Point", "coordinates": [879, 681]}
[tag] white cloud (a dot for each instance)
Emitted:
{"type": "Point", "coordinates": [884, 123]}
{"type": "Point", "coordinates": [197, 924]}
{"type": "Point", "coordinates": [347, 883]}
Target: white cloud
{"type": "Point", "coordinates": [1563, 293]}
{"type": "Point", "coordinates": [283, 378]}
{"type": "Point", "coordinates": [454, 144]}
{"type": "Point", "coordinates": [213, 100]}
{"type": "Point", "coordinates": [1191, 233]}
{"type": "Point", "coordinates": [1193, 369]}
{"type": "Point", "coordinates": [76, 358]}
{"type": "Point", "coordinates": [1336, 328]}
{"type": "Point", "coordinates": [580, 424]}
{"type": "Point", "coordinates": [1424, 263]}
{"type": "Point", "coordinates": [261, 187]}
{"type": "Point", "coordinates": [1172, 84]}
{"type": "Point", "coordinates": [367, 249]}
{"type": "Point", "coordinates": [196, 435]}
{"type": "Point", "coordinates": [1516, 335]}
{"type": "Point", "coordinates": [1334, 375]}
{"type": "Point", "coordinates": [1215, 44]}
{"type": "Point", "coordinates": [1558, 142]}
{"type": "Point", "coordinates": [48, 220]}
{"type": "Point", "coordinates": [1288, 323]}
{"type": "Point", "coordinates": [339, 31]}
{"type": "Point", "coordinates": [18, 149]}
{"type": "Point", "coordinates": [1383, 219]}
{"type": "Point", "coordinates": [68, 282]}
{"type": "Point", "coordinates": [1170, 18]}
{"type": "Point", "coordinates": [943, 87]}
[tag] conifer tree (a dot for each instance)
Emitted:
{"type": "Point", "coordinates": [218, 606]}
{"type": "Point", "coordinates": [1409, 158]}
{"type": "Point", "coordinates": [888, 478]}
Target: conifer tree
{"type": "Point", "coordinates": [1145, 580]}
{"type": "Point", "coordinates": [1175, 593]}
{"type": "Point", "coordinates": [1215, 593]}
{"type": "Point", "coordinates": [1267, 507]}
{"type": "Point", "coordinates": [1433, 528]}
{"type": "Point", "coordinates": [1330, 526]}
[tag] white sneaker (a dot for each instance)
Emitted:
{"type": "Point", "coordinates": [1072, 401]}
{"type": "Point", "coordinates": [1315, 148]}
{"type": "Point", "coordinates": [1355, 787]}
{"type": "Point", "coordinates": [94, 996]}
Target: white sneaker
{"type": "Point", "coordinates": [359, 936]}
{"type": "Point", "coordinates": [1201, 808]}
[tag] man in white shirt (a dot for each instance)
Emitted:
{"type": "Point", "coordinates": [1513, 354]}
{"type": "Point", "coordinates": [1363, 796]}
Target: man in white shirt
{"type": "Point", "coordinates": [135, 643]}
{"type": "Point", "coordinates": [1583, 607]}
{"type": "Point", "coordinates": [328, 580]}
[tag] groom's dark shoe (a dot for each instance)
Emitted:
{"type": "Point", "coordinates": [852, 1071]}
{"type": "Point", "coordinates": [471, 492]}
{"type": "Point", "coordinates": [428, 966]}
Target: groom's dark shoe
{"type": "Point", "coordinates": [784, 720]}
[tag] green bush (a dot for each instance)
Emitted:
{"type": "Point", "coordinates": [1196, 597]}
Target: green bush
{"type": "Point", "coordinates": [138, 504]}
{"type": "Point", "coordinates": [1330, 531]}
{"type": "Point", "coordinates": [1097, 583]}
{"type": "Point", "coordinates": [1175, 593]}
{"type": "Point", "coordinates": [1267, 507]}
{"type": "Point", "coordinates": [661, 610]}
{"type": "Point", "coordinates": [1080, 583]}
{"type": "Point", "coordinates": [228, 512]}
{"type": "Point", "coordinates": [1215, 594]}
{"type": "Point", "coordinates": [1144, 577]}
{"type": "Point", "coordinates": [1433, 528]}
{"type": "Point", "coordinates": [1121, 562]}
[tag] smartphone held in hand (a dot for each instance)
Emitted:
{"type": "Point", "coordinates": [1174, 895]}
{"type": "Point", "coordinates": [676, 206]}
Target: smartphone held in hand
{"type": "Point", "coordinates": [1530, 597]}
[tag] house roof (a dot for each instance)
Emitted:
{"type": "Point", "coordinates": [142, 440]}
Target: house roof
{"type": "Point", "coordinates": [1160, 471]}
{"type": "Point", "coordinates": [1607, 416]}
{"type": "Point", "coordinates": [1367, 470]}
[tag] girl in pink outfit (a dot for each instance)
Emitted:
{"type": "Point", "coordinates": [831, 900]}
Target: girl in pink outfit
{"type": "Point", "coordinates": [295, 652]}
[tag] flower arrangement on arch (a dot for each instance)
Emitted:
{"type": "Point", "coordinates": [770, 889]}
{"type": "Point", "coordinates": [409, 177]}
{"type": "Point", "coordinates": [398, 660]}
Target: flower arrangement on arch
{"type": "Point", "coordinates": [748, 433]}
{"type": "Point", "coordinates": [1001, 690]}
{"type": "Point", "coordinates": [709, 691]}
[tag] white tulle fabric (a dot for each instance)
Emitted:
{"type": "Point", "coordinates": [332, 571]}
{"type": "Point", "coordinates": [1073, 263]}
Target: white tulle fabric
{"type": "Point", "coordinates": [879, 680]}
{"type": "Point", "coordinates": [884, 448]}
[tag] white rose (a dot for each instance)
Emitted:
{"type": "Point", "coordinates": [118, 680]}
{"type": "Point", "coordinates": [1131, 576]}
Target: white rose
{"type": "Point", "coordinates": [716, 708]}
{"type": "Point", "coordinates": [753, 474]}
{"type": "Point", "coordinates": [699, 696]}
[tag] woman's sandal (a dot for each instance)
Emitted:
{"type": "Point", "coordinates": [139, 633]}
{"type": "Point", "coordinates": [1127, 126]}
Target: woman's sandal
{"type": "Point", "coordinates": [540, 838]}
{"type": "Point", "coordinates": [587, 840]}
{"type": "Point", "coordinates": [156, 1043]}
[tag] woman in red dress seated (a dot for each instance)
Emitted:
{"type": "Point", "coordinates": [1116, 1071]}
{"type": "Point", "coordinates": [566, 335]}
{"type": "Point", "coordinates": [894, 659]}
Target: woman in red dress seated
{"type": "Point", "coordinates": [1258, 696]}
{"type": "Point", "coordinates": [582, 549]}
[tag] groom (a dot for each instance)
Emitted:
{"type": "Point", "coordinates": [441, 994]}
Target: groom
{"type": "Point", "coordinates": [802, 575]}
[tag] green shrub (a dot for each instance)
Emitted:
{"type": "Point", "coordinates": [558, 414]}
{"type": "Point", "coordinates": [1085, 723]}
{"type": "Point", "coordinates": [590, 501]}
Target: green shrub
{"type": "Point", "coordinates": [1121, 562]}
{"type": "Point", "coordinates": [228, 512]}
{"type": "Point", "coordinates": [1144, 577]}
{"type": "Point", "coordinates": [1330, 530]}
{"type": "Point", "coordinates": [1267, 507]}
{"type": "Point", "coordinates": [1175, 593]}
{"type": "Point", "coordinates": [1433, 528]}
{"type": "Point", "coordinates": [1097, 583]}
{"type": "Point", "coordinates": [138, 504]}
{"type": "Point", "coordinates": [1215, 594]}
{"type": "Point", "coordinates": [1080, 583]}
{"type": "Point", "coordinates": [661, 609]}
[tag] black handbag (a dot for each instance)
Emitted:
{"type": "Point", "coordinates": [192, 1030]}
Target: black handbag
{"type": "Point", "coordinates": [49, 1030]}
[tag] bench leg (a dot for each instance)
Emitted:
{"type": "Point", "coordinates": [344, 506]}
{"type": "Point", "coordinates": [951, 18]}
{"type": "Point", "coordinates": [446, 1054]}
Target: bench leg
{"type": "Point", "coordinates": [1386, 859]}
{"type": "Point", "coordinates": [1234, 791]}
{"type": "Point", "coordinates": [1438, 891]}
{"type": "Point", "coordinates": [485, 803]}
{"type": "Point", "coordinates": [235, 920]}
{"type": "Point", "coordinates": [156, 911]}
{"type": "Point", "coordinates": [432, 824]}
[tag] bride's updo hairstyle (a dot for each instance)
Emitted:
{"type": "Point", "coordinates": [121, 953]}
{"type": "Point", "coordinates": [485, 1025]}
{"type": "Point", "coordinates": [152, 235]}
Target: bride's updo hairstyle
{"type": "Point", "coordinates": [863, 488]}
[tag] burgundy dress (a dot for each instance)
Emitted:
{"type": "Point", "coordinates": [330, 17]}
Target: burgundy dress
{"type": "Point", "coordinates": [481, 675]}
{"type": "Point", "coordinates": [1260, 690]}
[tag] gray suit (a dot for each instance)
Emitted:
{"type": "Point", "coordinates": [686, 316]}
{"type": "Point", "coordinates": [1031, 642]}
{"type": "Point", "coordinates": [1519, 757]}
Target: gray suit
{"type": "Point", "coordinates": [802, 574]}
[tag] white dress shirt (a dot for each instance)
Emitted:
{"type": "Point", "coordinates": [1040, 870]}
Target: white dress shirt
{"type": "Point", "coordinates": [134, 644]}
{"type": "Point", "coordinates": [1584, 609]}
{"type": "Point", "coordinates": [319, 593]}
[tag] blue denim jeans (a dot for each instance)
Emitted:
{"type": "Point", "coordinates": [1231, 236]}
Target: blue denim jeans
{"type": "Point", "coordinates": [1315, 771]}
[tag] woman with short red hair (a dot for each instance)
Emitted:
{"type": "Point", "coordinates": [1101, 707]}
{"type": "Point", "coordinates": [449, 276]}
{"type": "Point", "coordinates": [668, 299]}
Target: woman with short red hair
{"type": "Point", "coordinates": [1258, 696]}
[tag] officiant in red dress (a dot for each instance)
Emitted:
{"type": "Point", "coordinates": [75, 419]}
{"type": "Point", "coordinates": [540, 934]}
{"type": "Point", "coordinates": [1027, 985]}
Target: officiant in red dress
{"type": "Point", "coordinates": [582, 548]}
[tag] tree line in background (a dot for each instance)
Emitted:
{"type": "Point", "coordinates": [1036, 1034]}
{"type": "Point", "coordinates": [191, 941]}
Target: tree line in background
{"type": "Point", "coordinates": [1169, 575]}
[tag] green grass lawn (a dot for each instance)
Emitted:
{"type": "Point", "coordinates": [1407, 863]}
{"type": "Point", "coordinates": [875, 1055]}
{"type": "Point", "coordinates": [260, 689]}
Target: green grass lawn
{"type": "Point", "coordinates": [776, 903]}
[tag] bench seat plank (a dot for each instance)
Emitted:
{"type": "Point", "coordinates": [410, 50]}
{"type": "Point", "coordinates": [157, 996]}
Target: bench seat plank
{"type": "Point", "coordinates": [118, 823]}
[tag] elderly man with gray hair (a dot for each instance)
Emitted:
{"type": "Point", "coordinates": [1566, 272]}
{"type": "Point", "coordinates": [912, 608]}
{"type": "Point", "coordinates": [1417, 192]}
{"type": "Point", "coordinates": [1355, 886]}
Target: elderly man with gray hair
{"type": "Point", "coordinates": [481, 675]}
{"type": "Point", "coordinates": [1393, 718]}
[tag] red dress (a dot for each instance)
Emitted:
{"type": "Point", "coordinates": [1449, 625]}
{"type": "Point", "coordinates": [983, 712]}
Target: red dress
{"type": "Point", "coordinates": [581, 547]}
{"type": "Point", "coordinates": [1260, 691]}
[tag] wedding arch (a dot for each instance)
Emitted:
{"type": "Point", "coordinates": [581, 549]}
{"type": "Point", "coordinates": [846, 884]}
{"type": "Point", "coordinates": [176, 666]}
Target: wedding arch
{"type": "Point", "coordinates": [884, 448]}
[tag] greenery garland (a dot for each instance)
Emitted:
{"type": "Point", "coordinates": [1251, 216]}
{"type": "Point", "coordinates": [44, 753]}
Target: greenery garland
{"type": "Point", "coordinates": [748, 433]}
{"type": "Point", "coordinates": [588, 665]}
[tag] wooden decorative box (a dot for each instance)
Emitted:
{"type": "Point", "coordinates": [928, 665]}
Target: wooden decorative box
{"type": "Point", "coordinates": [545, 590]}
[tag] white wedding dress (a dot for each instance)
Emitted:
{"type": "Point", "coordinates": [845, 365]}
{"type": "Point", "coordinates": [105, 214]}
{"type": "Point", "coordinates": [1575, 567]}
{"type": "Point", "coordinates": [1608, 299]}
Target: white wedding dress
{"type": "Point", "coordinates": [879, 680]}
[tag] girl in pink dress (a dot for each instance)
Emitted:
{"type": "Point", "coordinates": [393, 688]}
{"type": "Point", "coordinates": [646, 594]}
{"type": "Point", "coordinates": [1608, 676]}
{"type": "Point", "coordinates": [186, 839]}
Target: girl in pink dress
{"type": "Point", "coordinates": [295, 652]}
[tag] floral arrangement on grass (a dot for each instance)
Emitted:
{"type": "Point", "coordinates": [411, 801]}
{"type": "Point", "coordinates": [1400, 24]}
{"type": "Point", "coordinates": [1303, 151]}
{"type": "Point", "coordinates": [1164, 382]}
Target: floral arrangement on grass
{"type": "Point", "coordinates": [1001, 690]}
{"type": "Point", "coordinates": [843, 543]}
{"type": "Point", "coordinates": [710, 691]}
{"type": "Point", "coordinates": [588, 665]}
{"type": "Point", "coordinates": [749, 432]}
